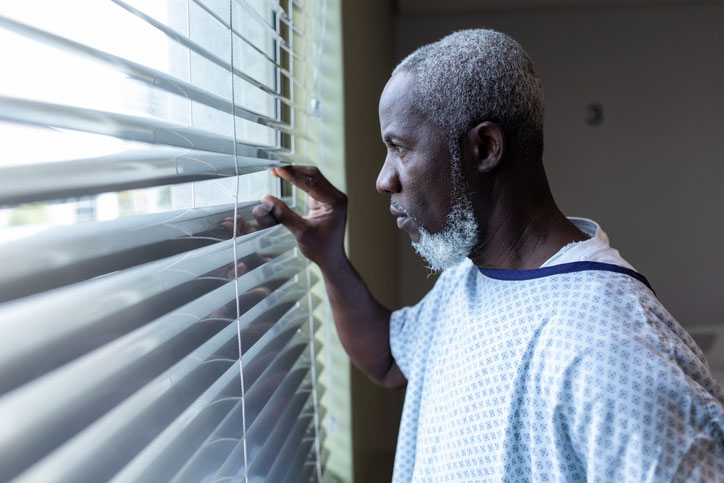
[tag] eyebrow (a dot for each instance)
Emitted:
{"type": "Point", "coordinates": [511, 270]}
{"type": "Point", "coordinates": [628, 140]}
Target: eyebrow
{"type": "Point", "coordinates": [394, 139]}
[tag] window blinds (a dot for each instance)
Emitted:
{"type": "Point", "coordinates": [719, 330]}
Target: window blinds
{"type": "Point", "coordinates": [150, 330]}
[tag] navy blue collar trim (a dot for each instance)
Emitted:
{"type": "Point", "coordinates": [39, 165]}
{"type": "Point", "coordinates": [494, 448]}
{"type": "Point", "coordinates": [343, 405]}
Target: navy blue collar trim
{"type": "Point", "coordinates": [562, 268]}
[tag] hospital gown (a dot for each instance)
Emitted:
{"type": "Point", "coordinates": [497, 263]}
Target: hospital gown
{"type": "Point", "coordinates": [570, 372]}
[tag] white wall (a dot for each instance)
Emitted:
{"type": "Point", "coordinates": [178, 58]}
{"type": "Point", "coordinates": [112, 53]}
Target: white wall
{"type": "Point", "coordinates": [652, 172]}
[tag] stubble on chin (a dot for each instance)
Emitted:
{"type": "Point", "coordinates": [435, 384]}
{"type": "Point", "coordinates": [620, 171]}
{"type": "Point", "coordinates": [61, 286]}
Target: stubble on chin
{"type": "Point", "coordinates": [460, 234]}
{"type": "Point", "coordinates": [454, 243]}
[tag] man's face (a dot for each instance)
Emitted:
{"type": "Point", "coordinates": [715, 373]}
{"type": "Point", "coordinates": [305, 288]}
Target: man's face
{"type": "Point", "coordinates": [427, 195]}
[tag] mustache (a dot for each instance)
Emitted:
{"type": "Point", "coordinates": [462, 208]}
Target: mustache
{"type": "Point", "coordinates": [400, 208]}
{"type": "Point", "coordinates": [407, 213]}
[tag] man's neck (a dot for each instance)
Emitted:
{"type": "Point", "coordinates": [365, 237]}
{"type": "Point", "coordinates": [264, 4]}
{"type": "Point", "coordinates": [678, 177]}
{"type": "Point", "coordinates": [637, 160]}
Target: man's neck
{"type": "Point", "coordinates": [524, 239]}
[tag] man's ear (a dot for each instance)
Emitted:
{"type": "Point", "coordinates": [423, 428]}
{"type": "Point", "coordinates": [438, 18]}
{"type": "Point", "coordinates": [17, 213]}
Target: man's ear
{"type": "Point", "coordinates": [485, 146]}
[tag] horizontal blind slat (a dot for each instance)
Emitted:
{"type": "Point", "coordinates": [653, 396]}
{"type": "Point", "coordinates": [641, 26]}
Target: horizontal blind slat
{"type": "Point", "coordinates": [284, 18]}
{"type": "Point", "coordinates": [124, 353]}
{"type": "Point", "coordinates": [223, 375]}
{"type": "Point", "coordinates": [269, 28]}
{"type": "Point", "coordinates": [294, 357]}
{"type": "Point", "coordinates": [291, 466]}
{"type": "Point", "coordinates": [202, 388]}
{"type": "Point", "coordinates": [308, 468]}
{"type": "Point", "coordinates": [86, 314]}
{"type": "Point", "coordinates": [289, 449]}
{"type": "Point", "coordinates": [150, 407]}
{"type": "Point", "coordinates": [160, 459]}
{"type": "Point", "coordinates": [271, 443]}
{"type": "Point", "coordinates": [283, 43]}
{"type": "Point", "coordinates": [268, 416]}
{"type": "Point", "coordinates": [145, 74]}
{"type": "Point", "coordinates": [69, 254]}
{"type": "Point", "coordinates": [281, 15]}
{"type": "Point", "coordinates": [229, 460]}
{"type": "Point", "coordinates": [134, 128]}
{"type": "Point", "coordinates": [301, 403]}
{"type": "Point", "coordinates": [186, 42]}
{"type": "Point", "coordinates": [230, 429]}
{"type": "Point", "coordinates": [248, 42]}
{"type": "Point", "coordinates": [123, 171]}
{"type": "Point", "coordinates": [88, 395]}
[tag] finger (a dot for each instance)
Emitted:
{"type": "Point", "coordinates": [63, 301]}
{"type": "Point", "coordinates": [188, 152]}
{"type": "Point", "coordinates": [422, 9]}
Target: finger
{"type": "Point", "coordinates": [311, 180]}
{"type": "Point", "coordinates": [283, 214]}
{"type": "Point", "coordinates": [263, 217]}
{"type": "Point", "coordinates": [314, 204]}
{"type": "Point", "coordinates": [243, 226]}
{"type": "Point", "coordinates": [241, 269]}
{"type": "Point", "coordinates": [227, 225]}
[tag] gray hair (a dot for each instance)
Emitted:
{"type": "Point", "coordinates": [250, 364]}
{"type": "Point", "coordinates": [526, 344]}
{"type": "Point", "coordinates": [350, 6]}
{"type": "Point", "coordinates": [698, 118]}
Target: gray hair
{"type": "Point", "coordinates": [479, 75]}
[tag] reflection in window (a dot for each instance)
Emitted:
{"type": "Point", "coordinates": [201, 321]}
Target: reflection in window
{"type": "Point", "coordinates": [67, 79]}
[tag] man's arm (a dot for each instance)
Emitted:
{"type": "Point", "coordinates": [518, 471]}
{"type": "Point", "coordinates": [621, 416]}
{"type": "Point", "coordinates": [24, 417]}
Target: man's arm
{"type": "Point", "coordinates": [363, 323]}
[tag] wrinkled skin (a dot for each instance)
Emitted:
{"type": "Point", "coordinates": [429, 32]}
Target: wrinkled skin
{"type": "Point", "coordinates": [416, 172]}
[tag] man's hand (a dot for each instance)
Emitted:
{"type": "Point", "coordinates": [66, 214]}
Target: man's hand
{"type": "Point", "coordinates": [320, 235]}
{"type": "Point", "coordinates": [362, 323]}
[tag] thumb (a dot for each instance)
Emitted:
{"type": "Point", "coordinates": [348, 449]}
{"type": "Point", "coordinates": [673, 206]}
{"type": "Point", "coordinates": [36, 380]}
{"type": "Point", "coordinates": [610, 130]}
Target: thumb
{"type": "Point", "coordinates": [283, 214]}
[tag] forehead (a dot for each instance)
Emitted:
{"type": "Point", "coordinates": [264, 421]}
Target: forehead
{"type": "Point", "coordinates": [396, 110]}
{"type": "Point", "coordinates": [397, 94]}
{"type": "Point", "coordinates": [397, 98]}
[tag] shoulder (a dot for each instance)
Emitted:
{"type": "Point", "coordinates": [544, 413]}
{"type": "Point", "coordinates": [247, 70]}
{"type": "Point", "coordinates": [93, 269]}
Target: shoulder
{"type": "Point", "coordinates": [630, 384]}
{"type": "Point", "coordinates": [625, 358]}
{"type": "Point", "coordinates": [457, 274]}
{"type": "Point", "coordinates": [603, 300]}
{"type": "Point", "coordinates": [454, 279]}
{"type": "Point", "coordinates": [601, 326]}
{"type": "Point", "coordinates": [412, 328]}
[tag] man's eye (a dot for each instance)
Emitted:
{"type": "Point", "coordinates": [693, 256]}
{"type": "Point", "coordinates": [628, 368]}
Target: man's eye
{"type": "Point", "coordinates": [399, 149]}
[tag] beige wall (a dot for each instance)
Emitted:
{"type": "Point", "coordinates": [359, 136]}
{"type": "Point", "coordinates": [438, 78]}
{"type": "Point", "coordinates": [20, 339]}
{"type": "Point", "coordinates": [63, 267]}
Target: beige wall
{"type": "Point", "coordinates": [652, 172]}
{"type": "Point", "coordinates": [368, 56]}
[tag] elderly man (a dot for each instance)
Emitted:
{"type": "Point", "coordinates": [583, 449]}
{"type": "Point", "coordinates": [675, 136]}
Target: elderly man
{"type": "Point", "coordinates": [540, 354]}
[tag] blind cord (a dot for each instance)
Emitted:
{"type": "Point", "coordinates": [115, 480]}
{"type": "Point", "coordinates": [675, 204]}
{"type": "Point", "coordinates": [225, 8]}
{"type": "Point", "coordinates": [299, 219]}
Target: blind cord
{"type": "Point", "coordinates": [330, 423]}
{"type": "Point", "coordinates": [313, 354]}
{"type": "Point", "coordinates": [191, 103]}
{"type": "Point", "coordinates": [234, 234]}
{"type": "Point", "coordinates": [317, 106]}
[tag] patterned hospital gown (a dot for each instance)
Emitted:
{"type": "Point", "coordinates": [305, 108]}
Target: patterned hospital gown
{"type": "Point", "coordinates": [563, 373]}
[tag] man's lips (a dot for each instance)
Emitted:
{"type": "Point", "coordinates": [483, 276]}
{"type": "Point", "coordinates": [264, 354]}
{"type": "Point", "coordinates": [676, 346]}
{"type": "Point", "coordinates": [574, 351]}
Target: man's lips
{"type": "Point", "coordinates": [402, 218]}
{"type": "Point", "coordinates": [405, 222]}
{"type": "Point", "coordinates": [396, 211]}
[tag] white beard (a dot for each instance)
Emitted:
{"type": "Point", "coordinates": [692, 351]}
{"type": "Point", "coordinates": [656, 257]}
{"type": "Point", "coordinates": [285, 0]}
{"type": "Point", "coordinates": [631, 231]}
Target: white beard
{"type": "Point", "coordinates": [461, 231]}
{"type": "Point", "coordinates": [456, 240]}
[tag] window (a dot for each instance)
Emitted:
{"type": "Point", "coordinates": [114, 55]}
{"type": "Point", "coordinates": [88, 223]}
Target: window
{"type": "Point", "coordinates": [150, 330]}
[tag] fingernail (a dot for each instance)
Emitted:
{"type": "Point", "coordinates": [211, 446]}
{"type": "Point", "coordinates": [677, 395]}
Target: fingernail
{"type": "Point", "coordinates": [268, 203]}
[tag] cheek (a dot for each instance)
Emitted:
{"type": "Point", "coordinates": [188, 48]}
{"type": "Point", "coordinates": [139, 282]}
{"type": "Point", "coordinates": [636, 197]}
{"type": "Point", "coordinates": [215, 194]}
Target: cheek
{"type": "Point", "coordinates": [438, 185]}
{"type": "Point", "coordinates": [442, 203]}
{"type": "Point", "coordinates": [430, 201]}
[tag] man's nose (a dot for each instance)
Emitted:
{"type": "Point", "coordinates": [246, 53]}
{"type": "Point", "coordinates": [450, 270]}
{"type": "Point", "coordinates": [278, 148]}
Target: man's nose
{"type": "Point", "coordinates": [387, 180]}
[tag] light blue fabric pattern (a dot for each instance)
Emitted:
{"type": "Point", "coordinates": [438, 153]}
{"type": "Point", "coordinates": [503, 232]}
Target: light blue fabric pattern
{"type": "Point", "coordinates": [570, 377]}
